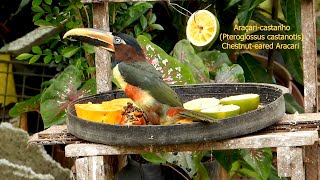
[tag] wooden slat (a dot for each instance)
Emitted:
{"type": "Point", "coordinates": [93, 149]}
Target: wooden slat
{"type": "Point", "coordinates": [287, 139]}
{"type": "Point", "coordinates": [300, 118]}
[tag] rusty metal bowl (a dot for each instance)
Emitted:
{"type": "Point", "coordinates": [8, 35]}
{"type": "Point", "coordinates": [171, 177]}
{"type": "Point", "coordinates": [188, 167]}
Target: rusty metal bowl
{"type": "Point", "coordinates": [272, 111]}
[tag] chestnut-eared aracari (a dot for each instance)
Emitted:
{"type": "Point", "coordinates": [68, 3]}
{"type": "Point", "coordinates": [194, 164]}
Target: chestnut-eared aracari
{"type": "Point", "coordinates": [140, 80]}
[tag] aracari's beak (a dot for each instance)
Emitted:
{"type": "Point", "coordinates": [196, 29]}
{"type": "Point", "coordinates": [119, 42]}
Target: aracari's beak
{"type": "Point", "coordinates": [96, 37]}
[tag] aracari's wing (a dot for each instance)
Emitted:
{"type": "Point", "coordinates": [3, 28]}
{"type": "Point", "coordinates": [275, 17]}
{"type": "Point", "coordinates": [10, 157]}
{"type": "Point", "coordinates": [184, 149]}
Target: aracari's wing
{"type": "Point", "coordinates": [143, 75]}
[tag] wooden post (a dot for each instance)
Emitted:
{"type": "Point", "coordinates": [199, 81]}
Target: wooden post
{"type": "Point", "coordinates": [290, 162]}
{"type": "Point", "coordinates": [309, 55]}
{"type": "Point", "coordinates": [100, 167]}
{"type": "Point", "coordinates": [102, 57]}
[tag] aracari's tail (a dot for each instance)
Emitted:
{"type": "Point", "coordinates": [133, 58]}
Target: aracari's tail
{"type": "Point", "coordinates": [181, 113]}
{"type": "Point", "coordinates": [195, 116]}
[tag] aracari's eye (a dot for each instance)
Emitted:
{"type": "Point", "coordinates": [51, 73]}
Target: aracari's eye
{"type": "Point", "coordinates": [118, 40]}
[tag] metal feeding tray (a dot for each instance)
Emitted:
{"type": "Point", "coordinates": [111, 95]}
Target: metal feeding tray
{"type": "Point", "coordinates": [272, 111]}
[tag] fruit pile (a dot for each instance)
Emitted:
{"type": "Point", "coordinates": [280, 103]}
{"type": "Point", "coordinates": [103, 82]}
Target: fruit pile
{"type": "Point", "coordinates": [123, 111]}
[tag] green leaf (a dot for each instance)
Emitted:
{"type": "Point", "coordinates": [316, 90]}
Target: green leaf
{"type": "Point", "coordinates": [123, 6]}
{"type": "Point", "coordinates": [155, 26]}
{"type": "Point", "coordinates": [42, 22]}
{"type": "Point", "coordinates": [260, 160]}
{"type": "Point", "coordinates": [24, 56]}
{"type": "Point", "coordinates": [22, 4]}
{"type": "Point", "coordinates": [253, 70]}
{"type": "Point", "coordinates": [188, 161]}
{"type": "Point", "coordinates": [28, 105]}
{"type": "Point", "coordinates": [49, 17]}
{"type": "Point", "coordinates": [34, 59]}
{"type": "Point", "coordinates": [172, 70]}
{"type": "Point", "coordinates": [36, 2]}
{"type": "Point", "coordinates": [88, 48]}
{"type": "Point", "coordinates": [213, 60]}
{"type": "Point", "coordinates": [36, 50]}
{"type": "Point", "coordinates": [79, 4]}
{"type": "Point", "coordinates": [292, 63]}
{"type": "Point", "coordinates": [155, 158]}
{"type": "Point", "coordinates": [143, 22]}
{"type": "Point", "coordinates": [256, 3]}
{"type": "Point", "coordinates": [69, 51]}
{"type": "Point", "coordinates": [56, 98]}
{"type": "Point", "coordinates": [292, 105]}
{"type": "Point", "coordinates": [57, 58]}
{"type": "Point", "coordinates": [55, 10]}
{"type": "Point", "coordinates": [231, 3]}
{"type": "Point", "coordinates": [202, 173]}
{"type": "Point", "coordinates": [184, 52]}
{"type": "Point", "coordinates": [47, 59]}
{"type": "Point", "coordinates": [47, 52]}
{"type": "Point", "coordinates": [246, 10]}
{"type": "Point", "coordinates": [130, 15]}
{"type": "Point", "coordinates": [49, 2]}
{"type": "Point", "coordinates": [37, 9]}
{"type": "Point", "coordinates": [226, 158]}
{"type": "Point", "coordinates": [91, 70]}
{"type": "Point", "coordinates": [147, 35]}
{"type": "Point", "coordinates": [230, 74]}
{"type": "Point", "coordinates": [37, 16]}
{"type": "Point", "coordinates": [137, 29]}
{"type": "Point", "coordinates": [89, 88]}
{"type": "Point", "coordinates": [152, 19]}
{"type": "Point", "coordinates": [70, 24]}
{"type": "Point", "coordinates": [292, 11]}
{"type": "Point", "coordinates": [46, 8]}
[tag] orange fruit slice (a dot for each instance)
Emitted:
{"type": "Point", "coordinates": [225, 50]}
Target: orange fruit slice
{"type": "Point", "coordinates": [109, 112]}
{"type": "Point", "coordinates": [202, 28]}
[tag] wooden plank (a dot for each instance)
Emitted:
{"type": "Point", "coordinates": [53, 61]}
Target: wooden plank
{"type": "Point", "coordinates": [287, 139]}
{"type": "Point", "coordinates": [90, 168]}
{"type": "Point", "coordinates": [300, 118]}
{"type": "Point", "coordinates": [102, 56]}
{"type": "Point", "coordinates": [297, 164]}
{"type": "Point", "coordinates": [284, 161]}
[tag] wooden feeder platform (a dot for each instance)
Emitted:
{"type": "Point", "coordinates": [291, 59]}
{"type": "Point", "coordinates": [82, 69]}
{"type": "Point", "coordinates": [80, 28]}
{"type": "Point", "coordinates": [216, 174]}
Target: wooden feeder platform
{"type": "Point", "coordinates": [288, 137]}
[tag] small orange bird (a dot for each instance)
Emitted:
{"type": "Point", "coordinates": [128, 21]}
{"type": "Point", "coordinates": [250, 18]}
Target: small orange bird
{"type": "Point", "coordinates": [140, 80]}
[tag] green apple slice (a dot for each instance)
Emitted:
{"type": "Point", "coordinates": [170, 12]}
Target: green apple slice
{"type": "Point", "coordinates": [247, 102]}
{"type": "Point", "coordinates": [201, 103]}
{"type": "Point", "coordinates": [222, 111]}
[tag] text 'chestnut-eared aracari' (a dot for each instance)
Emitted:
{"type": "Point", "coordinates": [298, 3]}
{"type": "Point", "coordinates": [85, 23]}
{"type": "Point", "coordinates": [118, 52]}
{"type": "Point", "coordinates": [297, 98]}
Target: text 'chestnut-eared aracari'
{"type": "Point", "coordinates": [140, 80]}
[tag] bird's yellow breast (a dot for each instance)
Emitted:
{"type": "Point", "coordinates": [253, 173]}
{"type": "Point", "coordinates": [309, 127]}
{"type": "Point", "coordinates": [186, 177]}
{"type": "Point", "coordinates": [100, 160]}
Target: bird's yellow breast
{"type": "Point", "coordinates": [140, 97]}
